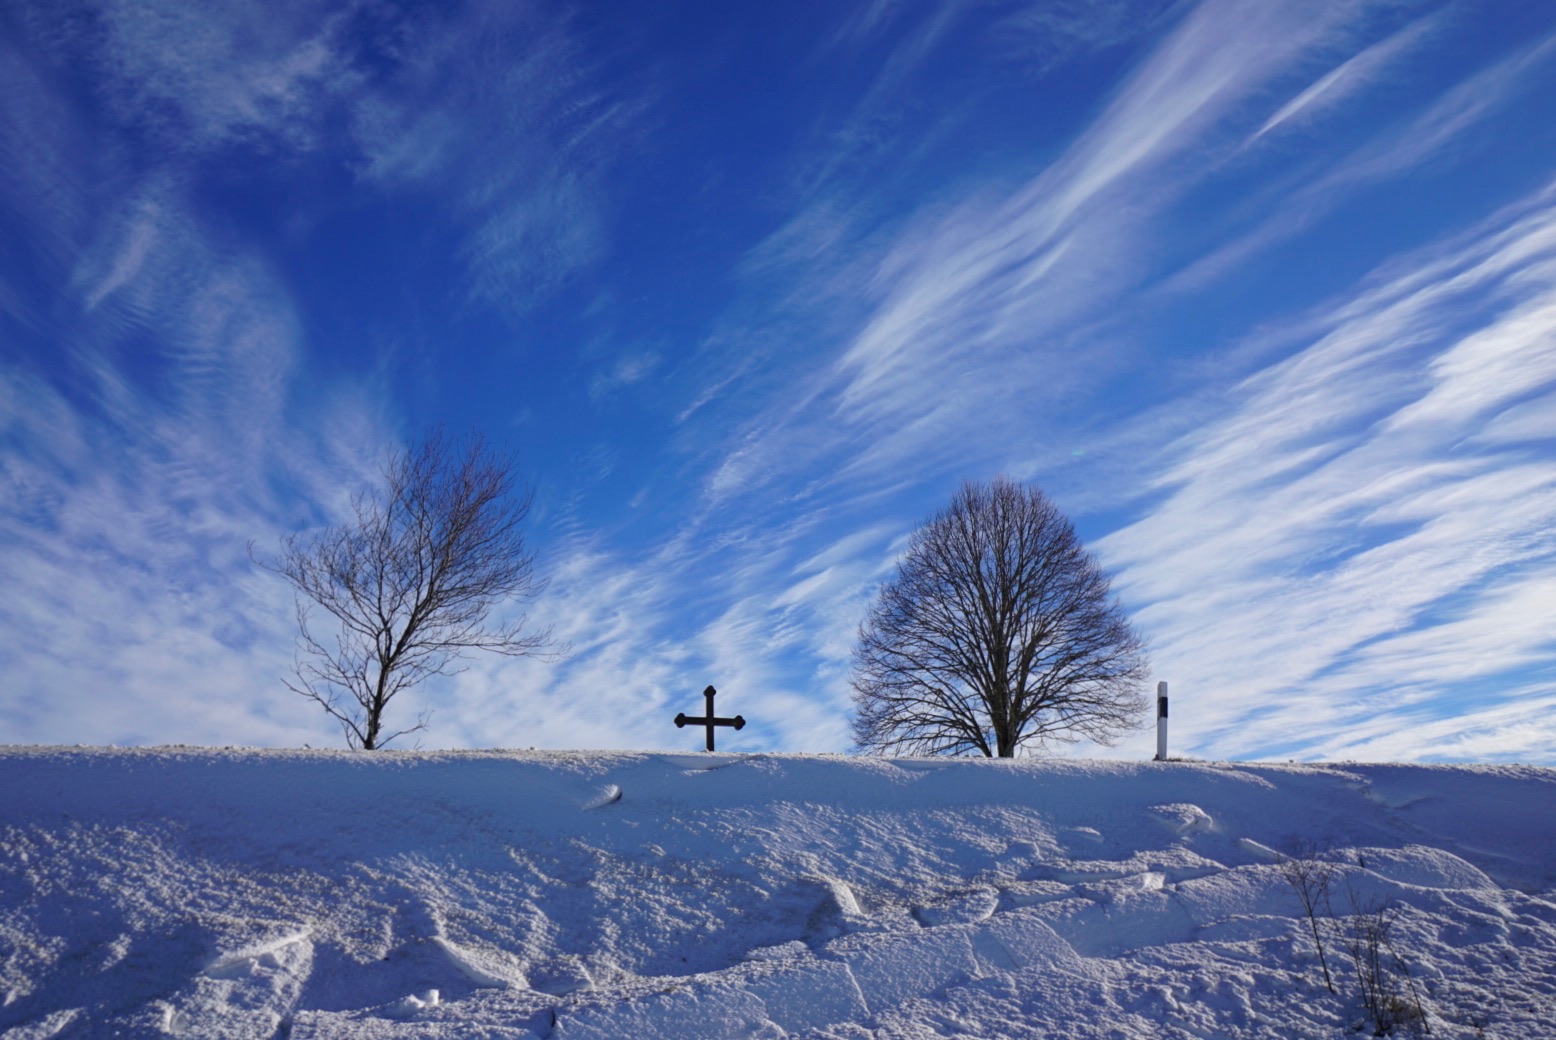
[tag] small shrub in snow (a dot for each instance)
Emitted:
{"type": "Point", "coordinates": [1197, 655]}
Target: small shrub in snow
{"type": "Point", "coordinates": [1380, 969]}
{"type": "Point", "coordinates": [1309, 876]}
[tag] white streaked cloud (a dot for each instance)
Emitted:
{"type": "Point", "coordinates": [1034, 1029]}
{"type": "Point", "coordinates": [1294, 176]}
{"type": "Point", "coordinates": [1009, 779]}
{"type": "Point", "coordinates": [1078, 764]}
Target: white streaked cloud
{"type": "Point", "coordinates": [1519, 727]}
{"type": "Point", "coordinates": [989, 306]}
{"type": "Point", "coordinates": [132, 611]}
{"type": "Point", "coordinates": [1445, 120]}
{"type": "Point", "coordinates": [627, 370]}
{"type": "Point", "coordinates": [1342, 524]}
{"type": "Point", "coordinates": [168, 432]}
{"type": "Point", "coordinates": [1531, 421]}
{"type": "Point", "coordinates": [1316, 187]}
{"type": "Point", "coordinates": [1351, 75]}
{"type": "Point", "coordinates": [498, 111]}
{"type": "Point", "coordinates": [1054, 32]}
{"type": "Point", "coordinates": [1485, 370]}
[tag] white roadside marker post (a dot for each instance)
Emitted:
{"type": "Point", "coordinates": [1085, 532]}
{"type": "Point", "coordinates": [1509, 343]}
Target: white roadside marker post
{"type": "Point", "coordinates": [1161, 722]}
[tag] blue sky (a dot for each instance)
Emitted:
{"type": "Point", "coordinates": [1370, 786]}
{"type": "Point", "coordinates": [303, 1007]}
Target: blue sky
{"type": "Point", "coordinates": [1263, 294]}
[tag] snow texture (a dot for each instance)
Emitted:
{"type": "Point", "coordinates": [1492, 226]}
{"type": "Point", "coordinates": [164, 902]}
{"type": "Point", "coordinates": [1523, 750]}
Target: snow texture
{"type": "Point", "coordinates": [258, 894]}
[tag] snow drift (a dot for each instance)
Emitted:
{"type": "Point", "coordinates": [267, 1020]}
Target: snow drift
{"type": "Point", "coordinates": [210, 893]}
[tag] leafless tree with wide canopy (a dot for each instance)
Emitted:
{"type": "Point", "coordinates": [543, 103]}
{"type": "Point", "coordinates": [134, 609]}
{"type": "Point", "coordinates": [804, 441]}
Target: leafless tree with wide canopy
{"type": "Point", "coordinates": [411, 581]}
{"type": "Point", "coordinates": [999, 631]}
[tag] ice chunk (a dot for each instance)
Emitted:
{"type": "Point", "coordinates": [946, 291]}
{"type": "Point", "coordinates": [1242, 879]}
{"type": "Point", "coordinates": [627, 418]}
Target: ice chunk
{"type": "Point", "coordinates": [788, 951]}
{"type": "Point", "coordinates": [283, 952]}
{"type": "Point", "coordinates": [45, 1028]}
{"type": "Point", "coordinates": [1259, 849]}
{"type": "Point", "coordinates": [1183, 817]}
{"type": "Point", "coordinates": [606, 795]}
{"type": "Point", "coordinates": [412, 1005]}
{"type": "Point", "coordinates": [837, 908]}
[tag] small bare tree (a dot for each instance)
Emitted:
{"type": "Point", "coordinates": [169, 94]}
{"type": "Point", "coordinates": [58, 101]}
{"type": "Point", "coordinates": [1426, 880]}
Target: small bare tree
{"type": "Point", "coordinates": [998, 631]}
{"type": "Point", "coordinates": [1309, 876]}
{"type": "Point", "coordinates": [411, 581]}
{"type": "Point", "coordinates": [1379, 967]}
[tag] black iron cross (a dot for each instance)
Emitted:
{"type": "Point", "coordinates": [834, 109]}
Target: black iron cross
{"type": "Point", "coordinates": [709, 720]}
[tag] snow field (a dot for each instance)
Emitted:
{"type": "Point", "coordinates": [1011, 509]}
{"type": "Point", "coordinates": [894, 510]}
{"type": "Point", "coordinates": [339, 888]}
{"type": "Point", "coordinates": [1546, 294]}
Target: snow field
{"type": "Point", "coordinates": [205, 893]}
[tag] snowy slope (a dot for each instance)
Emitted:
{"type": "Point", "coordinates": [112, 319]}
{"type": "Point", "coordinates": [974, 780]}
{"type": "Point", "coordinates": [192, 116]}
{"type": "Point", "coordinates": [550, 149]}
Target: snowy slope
{"type": "Point", "coordinates": [209, 893]}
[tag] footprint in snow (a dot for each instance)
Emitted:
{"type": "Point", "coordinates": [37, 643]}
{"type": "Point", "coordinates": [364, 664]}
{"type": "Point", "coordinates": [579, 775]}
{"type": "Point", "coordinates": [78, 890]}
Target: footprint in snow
{"type": "Point", "coordinates": [962, 908]}
{"type": "Point", "coordinates": [566, 973]}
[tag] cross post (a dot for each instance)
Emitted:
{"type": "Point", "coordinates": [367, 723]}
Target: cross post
{"type": "Point", "coordinates": [709, 720]}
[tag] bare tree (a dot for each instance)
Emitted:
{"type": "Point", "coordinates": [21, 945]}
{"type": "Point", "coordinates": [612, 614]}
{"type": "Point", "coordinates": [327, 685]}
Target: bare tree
{"type": "Point", "coordinates": [1309, 876]}
{"type": "Point", "coordinates": [998, 631]}
{"type": "Point", "coordinates": [411, 581]}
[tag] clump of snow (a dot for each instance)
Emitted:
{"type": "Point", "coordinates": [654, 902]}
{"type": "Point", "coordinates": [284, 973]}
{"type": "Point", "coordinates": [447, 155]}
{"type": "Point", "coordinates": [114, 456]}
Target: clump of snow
{"type": "Point", "coordinates": [352, 895]}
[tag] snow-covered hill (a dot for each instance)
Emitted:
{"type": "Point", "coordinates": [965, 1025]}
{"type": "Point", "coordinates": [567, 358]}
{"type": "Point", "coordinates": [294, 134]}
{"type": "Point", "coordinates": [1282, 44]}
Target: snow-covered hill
{"type": "Point", "coordinates": [211, 893]}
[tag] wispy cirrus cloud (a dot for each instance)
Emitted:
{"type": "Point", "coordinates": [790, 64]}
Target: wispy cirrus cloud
{"type": "Point", "coordinates": [132, 611]}
{"type": "Point", "coordinates": [1353, 74]}
{"type": "Point", "coordinates": [1344, 524]}
{"type": "Point", "coordinates": [131, 483]}
{"type": "Point", "coordinates": [645, 636]}
{"type": "Point", "coordinates": [1450, 116]}
{"type": "Point", "coordinates": [185, 79]}
{"type": "Point", "coordinates": [1317, 186]}
{"type": "Point", "coordinates": [518, 147]}
{"type": "Point", "coordinates": [991, 305]}
{"type": "Point", "coordinates": [501, 112]}
{"type": "Point", "coordinates": [1516, 727]}
{"type": "Point", "coordinates": [151, 429]}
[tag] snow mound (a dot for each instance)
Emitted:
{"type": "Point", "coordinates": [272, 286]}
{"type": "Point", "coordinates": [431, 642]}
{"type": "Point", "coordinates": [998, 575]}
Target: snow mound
{"type": "Point", "coordinates": [1420, 866]}
{"type": "Point", "coordinates": [306, 895]}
